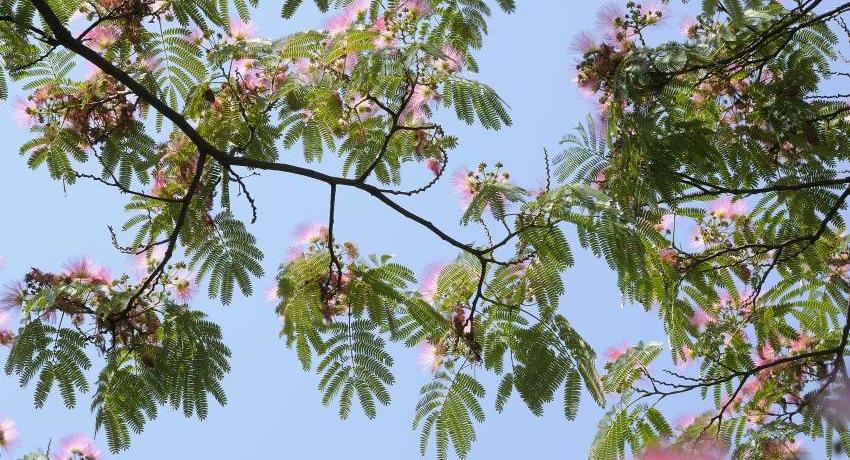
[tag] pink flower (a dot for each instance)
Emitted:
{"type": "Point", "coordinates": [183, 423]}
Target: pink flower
{"type": "Point", "coordinates": [196, 36]}
{"type": "Point", "coordinates": [342, 21]}
{"type": "Point", "coordinates": [241, 30]}
{"type": "Point", "coordinates": [430, 357]}
{"type": "Point", "coordinates": [700, 318]}
{"type": "Point", "coordinates": [463, 184]}
{"type": "Point", "coordinates": [432, 164]}
{"type": "Point", "coordinates": [25, 113]}
{"type": "Point", "coordinates": [666, 223]}
{"type": "Point", "coordinates": [77, 445]}
{"type": "Point", "coordinates": [609, 16]}
{"type": "Point", "coordinates": [726, 209]}
{"type": "Point", "coordinates": [684, 422]}
{"type": "Point", "coordinates": [417, 7]}
{"type": "Point", "coordinates": [308, 233]}
{"type": "Point", "coordinates": [7, 337]}
{"type": "Point", "coordinates": [612, 354]}
{"type": "Point", "coordinates": [764, 355]}
{"type": "Point", "coordinates": [694, 450]}
{"type": "Point", "coordinates": [13, 296]}
{"type": "Point", "coordinates": [428, 285]}
{"type": "Point", "coordinates": [451, 61]}
{"type": "Point", "coordinates": [687, 356]}
{"type": "Point", "coordinates": [801, 343]}
{"type": "Point", "coordinates": [583, 42]}
{"type": "Point", "coordinates": [84, 269]}
{"type": "Point", "coordinates": [103, 37]}
{"type": "Point", "coordinates": [2, 262]}
{"type": "Point", "coordinates": [271, 294]}
{"type": "Point", "coordinates": [415, 111]}
{"type": "Point", "coordinates": [183, 284]}
{"type": "Point", "coordinates": [142, 262]}
{"type": "Point", "coordinates": [8, 433]}
{"type": "Point", "coordinates": [688, 27]}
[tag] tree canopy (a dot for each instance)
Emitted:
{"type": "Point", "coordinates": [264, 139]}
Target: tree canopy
{"type": "Point", "coordinates": [711, 178]}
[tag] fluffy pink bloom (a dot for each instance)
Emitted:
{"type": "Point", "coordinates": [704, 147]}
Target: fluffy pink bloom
{"type": "Point", "coordinates": [271, 294]}
{"type": "Point", "coordinates": [2, 262]}
{"type": "Point", "coordinates": [77, 445]}
{"type": "Point", "coordinates": [801, 343]}
{"type": "Point", "coordinates": [308, 233]}
{"type": "Point", "coordinates": [417, 7]}
{"type": "Point", "coordinates": [607, 18]}
{"type": "Point", "coordinates": [684, 422]}
{"type": "Point", "coordinates": [687, 357]}
{"type": "Point", "coordinates": [196, 36]}
{"type": "Point", "coordinates": [241, 30]}
{"type": "Point", "coordinates": [700, 318]}
{"type": "Point", "coordinates": [583, 42]}
{"type": "Point", "coordinates": [25, 113]}
{"type": "Point", "coordinates": [102, 37]}
{"type": "Point", "coordinates": [8, 433]}
{"type": "Point", "coordinates": [726, 209]}
{"type": "Point", "coordinates": [142, 262]}
{"type": "Point", "coordinates": [429, 357]}
{"type": "Point", "coordinates": [183, 284]}
{"type": "Point", "coordinates": [84, 269]}
{"type": "Point", "coordinates": [432, 164]}
{"type": "Point", "coordinates": [428, 284]}
{"type": "Point", "coordinates": [415, 111]}
{"type": "Point", "coordinates": [612, 354]}
{"type": "Point", "coordinates": [698, 450]}
{"type": "Point", "coordinates": [342, 21]}
{"type": "Point", "coordinates": [451, 61]}
{"type": "Point", "coordinates": [666, 223]}
{"type": "Point", "coordinates": [765, 354]}
{"type": "Point", "coordinates": [463, 184]}
{"type": "Point", "coordinates": [687, 27]}
{"type": "Point", "coordinates": [7, 337]}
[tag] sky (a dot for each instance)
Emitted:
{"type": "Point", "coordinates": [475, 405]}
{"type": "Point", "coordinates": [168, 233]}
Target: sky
{"type": "Point", "coordinates": [274, 409]}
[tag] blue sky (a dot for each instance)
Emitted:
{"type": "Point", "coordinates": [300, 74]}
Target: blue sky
{"type": "Point", "coordinates": [274, 409]}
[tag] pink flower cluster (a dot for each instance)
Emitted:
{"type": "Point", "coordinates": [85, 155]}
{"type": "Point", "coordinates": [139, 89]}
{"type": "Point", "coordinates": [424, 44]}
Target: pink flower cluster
{"type": "Point", "coordinates": [428, 283]}
{"type": "Point", "coordinates": [76, 446]}
{"type": "Point", "coordinates": [84, 269]}
{"type": "Point", "coordinates": [8, 433]}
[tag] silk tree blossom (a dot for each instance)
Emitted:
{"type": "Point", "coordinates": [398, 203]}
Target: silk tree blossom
{"type": "Point", "coordinates": [144, 262]}
{"type": "Point", "coordinates": [2, 262]}
{"type": "Point", "coordinates": [583, 42]}
{"type": "Point", "coordinates": [686, 355]}
{"type": "Point", "coordinates": [8, 433]}
{"type": "Point", "coordinates": [700, 318]}
{"type": "Point", "coordinates": [196, 36]}
{"type": "Point", "coordinates": [764, 354]}
{"type": "Point", "coordinates": [610, 22]}
{"type": "Point", "coordinates": [417, 7]}
{"type": "Point", "coordinates": [451, 60]}
{"type": "Point", "coordinates": [241, 30]}
{"type": "Point", "coordinates": [25, 113]}
{"type": "Point", "coordinates": [345, 18]}
{"type": "Point", "coordinates": [102, 37]}
{"type": "Point", "coordinates": [464, 185]}
{"type": "Point", "coordinates": [727, 209]}
{"type": "Point", "coordinates": [309, 233]}
{"type": "Point", "coordinates": [183, 284]}
{"type": "Point", "coordinates": [429, 356]}
{"type": "Point", "coordinates": [415, 111]}
{"type": "Point", "coordinates": [428, 284]}
{"type": "Point", "coordinates": [77, 446]}
{"type": "Point", "coordinates": [688, 27]}
{"type": "Point", "coordinates": [84, 269]}
{"type": "Point", "coordinates": [705, 449]}
{"type": "Point", "coordinates": [684, 422]}
{"type": "Point", "coordinates": [271, 294]}
{"type": "Point", "coordinates": [7, 337]}
{"type": "Point", "coordinates": [614, 353]}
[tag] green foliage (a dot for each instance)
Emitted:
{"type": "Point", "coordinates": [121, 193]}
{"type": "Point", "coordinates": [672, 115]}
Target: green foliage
{"type": "Point", "coordinates": [447, 408]}
{"type": "Point", "coordinates": [50, 356]}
